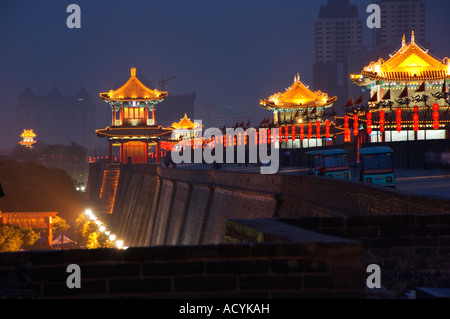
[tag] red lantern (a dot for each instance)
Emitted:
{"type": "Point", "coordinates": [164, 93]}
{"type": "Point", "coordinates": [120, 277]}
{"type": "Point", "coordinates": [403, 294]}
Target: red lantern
{"type": "Point", "coordinates": [269, 139]}
{"type": "Point", "coordinates": [310, 130]}
{"type": "Point", "coordinates": [318, 129]}
{"type": "Point", "coordinates": [286, 132]}
{"type": "Point", "coordinates": [302, 132]}
{"type": "Point", "coordinates": [280, 134]}
{"type": "Point", "coordinates": [293, 132]}
{"type": "Point", "coordinates": [436, 125]}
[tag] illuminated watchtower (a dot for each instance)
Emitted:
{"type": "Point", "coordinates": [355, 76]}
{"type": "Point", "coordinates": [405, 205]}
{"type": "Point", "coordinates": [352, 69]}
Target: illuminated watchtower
{"type": "Point", "coordinates": [27, 138]}
{"type": "Point", "coordinates": [409, 95]}
{"type": "Point", "coordinates": [133, 124]}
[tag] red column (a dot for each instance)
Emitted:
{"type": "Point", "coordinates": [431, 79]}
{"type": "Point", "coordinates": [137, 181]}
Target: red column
{"type": "Point", "coordinates": [121, 116]}
{"type": "Point", "coordinates": [146, 152]}
{"type": "Point", "coordinates": [113, 117]}
{"type": "Point", "coordinates": [153, 116]}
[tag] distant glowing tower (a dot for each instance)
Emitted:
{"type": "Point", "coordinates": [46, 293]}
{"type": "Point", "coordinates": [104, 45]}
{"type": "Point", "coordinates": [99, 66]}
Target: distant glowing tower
{"type": "Point", "coordinates": [27, 138]}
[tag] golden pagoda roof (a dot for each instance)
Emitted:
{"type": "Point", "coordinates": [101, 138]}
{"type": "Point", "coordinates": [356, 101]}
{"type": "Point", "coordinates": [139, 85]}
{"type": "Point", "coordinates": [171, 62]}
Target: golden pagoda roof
{"type": "Point", "coordinates": [185, 123]}
{"type": "Point", "coordinates": [297, 96]}
{"type": "Point", "coordinates": [133, 90]}
{"type": "Point", "coordinates": [410, 63]}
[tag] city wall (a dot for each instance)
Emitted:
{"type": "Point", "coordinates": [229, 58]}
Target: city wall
{"type": "Point", "coordinates": [215, 234]}
{"type": "Point", "coordinates": [155, 205]}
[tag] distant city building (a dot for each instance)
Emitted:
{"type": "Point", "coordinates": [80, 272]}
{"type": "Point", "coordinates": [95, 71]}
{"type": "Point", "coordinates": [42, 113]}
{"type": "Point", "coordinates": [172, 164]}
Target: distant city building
{"type": "Point", "coordinates": [220, 117]}
{"type": "Point", "coordinates": [400, 17]}
{"type": "Point", "coordinates": [338, 31]}
{"type": "Point", "coordinates": [174, 104]}
{"type": "Point", "coordinates": [58, 118]}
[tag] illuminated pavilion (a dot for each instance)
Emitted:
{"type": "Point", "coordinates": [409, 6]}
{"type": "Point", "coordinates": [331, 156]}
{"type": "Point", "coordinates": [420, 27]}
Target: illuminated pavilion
{"type": "Point", "coordinates": [185, 125]}
{"type": "Point", "coordinates": [27, 138]}
{"type": "Point", "coordinates": [298, 104]}
{"type": "Point", "coordinates": [301, 115]}
{"type": "Point", "coordinates": [133, 124]}
{"type": "Point", "coordinates": [408, 98]}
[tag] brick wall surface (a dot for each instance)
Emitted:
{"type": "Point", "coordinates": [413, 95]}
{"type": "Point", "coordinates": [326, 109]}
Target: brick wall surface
{"type": "Point", "coordinates": [412, 250]}
{"type": "Point", "coordinates": [267, 270]}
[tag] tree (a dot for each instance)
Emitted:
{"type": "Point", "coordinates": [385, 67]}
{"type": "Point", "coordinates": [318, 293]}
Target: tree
{"type": "Point", "coordinates": [59, 224]}
{"type": "Point", "coordinates": [90, 233]}
{"type": "Point", "coordinates": [12, 237]}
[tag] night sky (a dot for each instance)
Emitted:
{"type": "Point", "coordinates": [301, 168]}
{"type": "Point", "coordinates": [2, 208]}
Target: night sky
{"type": "Point", "coordinates": [230, 52]}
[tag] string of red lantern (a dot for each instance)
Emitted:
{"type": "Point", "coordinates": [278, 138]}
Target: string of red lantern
{"type": "Point", "coordinates": [318, 129]}
{"type": "Point", "coordinates": [382, 121]}
{"type": "Point", "coordinates": [346, 130]}
{"type": "Point", "coordinates": [416, 118]}
{"type": "Point", "coordinates": [327, 128]}
{"type": "Point", "coordinates": [355, 124]}
{"type": "Point", "coordinates": [435, 116]}
{"type": "Point", "coordinates": [369, 123]}
{"type": "Point", "coordinates": [398, 111]}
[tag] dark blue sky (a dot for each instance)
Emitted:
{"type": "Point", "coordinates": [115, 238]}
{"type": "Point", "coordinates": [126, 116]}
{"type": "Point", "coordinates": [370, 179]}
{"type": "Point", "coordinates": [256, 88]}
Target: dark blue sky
{"type": "Point", "coordinates": [231, 52]}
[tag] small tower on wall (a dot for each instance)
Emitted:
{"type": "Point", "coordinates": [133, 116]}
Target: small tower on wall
{"type": "Point", "coordinates": [133, 122]}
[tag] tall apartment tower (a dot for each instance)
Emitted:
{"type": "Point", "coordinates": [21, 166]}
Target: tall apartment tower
{"type": "Point", "coordinates": [338, 32]}
{"type": "Point", "coordinates": [398, 18]}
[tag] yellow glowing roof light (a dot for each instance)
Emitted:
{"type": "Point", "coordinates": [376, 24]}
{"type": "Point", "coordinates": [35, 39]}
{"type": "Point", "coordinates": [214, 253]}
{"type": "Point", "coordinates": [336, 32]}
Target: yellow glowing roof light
{"type": "Point", "coordinates": [298, 95]}
{"type": "Point", "coordinates": [133, 90]}
{"type": "Point", "coordinates": [409, 63]}
{"type": "Point", "coordinates": [185, 123]}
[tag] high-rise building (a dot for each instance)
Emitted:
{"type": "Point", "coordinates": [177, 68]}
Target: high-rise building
{"type": "Point", "coordinates": [57, 118]}
{"type": "Point", "coordinates": [399, 18]}
{"type": "Point", "coordinates": [338, 31]}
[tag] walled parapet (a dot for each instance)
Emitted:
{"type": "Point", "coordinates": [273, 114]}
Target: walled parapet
{"type": "Point", "coordinates": [411, 250]}
{"type": "Point", "coordinates": [253, 271]}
